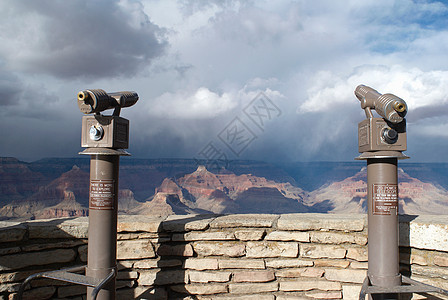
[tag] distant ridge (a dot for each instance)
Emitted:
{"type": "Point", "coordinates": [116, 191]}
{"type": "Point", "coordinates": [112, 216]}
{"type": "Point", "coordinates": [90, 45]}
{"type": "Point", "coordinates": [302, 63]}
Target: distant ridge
{"type": "Point", "coordinates": [350, 195]}
{"type": "Point", "coordinates": [59, 187]}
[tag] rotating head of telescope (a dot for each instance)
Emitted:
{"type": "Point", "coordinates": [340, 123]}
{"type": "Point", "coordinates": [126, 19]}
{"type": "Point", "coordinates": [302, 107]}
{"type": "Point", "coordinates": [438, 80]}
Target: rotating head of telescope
{"type": "Point", "coordinates": [97, 101]}
{"type": "Point", "coordinates": [100, 131]}
{"type": "Point", "coordinates": [387, 133]}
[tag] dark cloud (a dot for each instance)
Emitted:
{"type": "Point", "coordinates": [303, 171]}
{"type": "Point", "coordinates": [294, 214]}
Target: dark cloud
{"type": "Point", "coordinates": [10, 89]}
{"type": "Point", "coordinates": [19, 98]}
{"type": "Point", "coordinates": [309, 55]}
{"type": "Point", "coordinates": [430, 111]}
{"type": "Point", "coordinates": [82, 38]}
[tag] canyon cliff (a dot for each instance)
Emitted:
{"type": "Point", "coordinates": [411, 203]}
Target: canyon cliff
{"type": "Point", "coordinates": [350, 196]}
{"type": "Point", "coordinates": [54, 188]}
{"type": "Point", "coordinates": [226, 192]}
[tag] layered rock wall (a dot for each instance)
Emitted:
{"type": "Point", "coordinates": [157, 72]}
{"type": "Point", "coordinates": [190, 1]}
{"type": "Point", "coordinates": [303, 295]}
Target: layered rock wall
{"type": "Point", "coordinates": [291, 256]}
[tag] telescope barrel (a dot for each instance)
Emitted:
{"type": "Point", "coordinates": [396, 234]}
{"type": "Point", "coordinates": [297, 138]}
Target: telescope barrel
{"type": "Point", "coordinates": [97, 100]}
{"type": "Point", "coordinates": [388, 106]}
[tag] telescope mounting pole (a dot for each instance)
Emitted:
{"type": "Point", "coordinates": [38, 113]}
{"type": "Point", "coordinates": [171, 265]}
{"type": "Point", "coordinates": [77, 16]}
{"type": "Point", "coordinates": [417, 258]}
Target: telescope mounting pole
{"type": "Point", "coordinates": [105, 137]}
{"type": "Point", "coordinates": [381, 142]}
{"type": "Point", "coordinates": [103, 211]}
{"type": "Point", "coordinates": [382, 155]}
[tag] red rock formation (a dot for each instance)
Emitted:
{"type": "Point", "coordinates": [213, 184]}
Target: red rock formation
{"type": "Point", "coordinates": [227, 192]}
{"type": "Point", "coordinates": [67, 208]}
{"type": "Point", "coordinates": [350, 194]}
{"type": "Point", "coordinates": [126, 201]}
{"type": "Point", "coordinates": [68, 188]}
{"type": "Point", "coordinates": [164, 204]}
{"type": "Point", "coordinates": [17, 181]}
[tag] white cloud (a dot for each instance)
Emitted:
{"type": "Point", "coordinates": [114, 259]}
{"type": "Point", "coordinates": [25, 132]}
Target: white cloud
{"type": "Point", "coordinates": [215, 56]}
{"type": "Point", "coordinates": [201, 104]}
{"type": "Point", "coordinates": [204, 104]}
{"type": "Point", "coordinates": [435, 130]}
{"type": "Point", "coordinates": [421, 90]}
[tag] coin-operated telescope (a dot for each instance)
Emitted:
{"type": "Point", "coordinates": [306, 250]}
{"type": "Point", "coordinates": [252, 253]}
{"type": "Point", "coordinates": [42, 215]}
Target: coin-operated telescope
{"type": "Point", "coordinates": [105, 131]}
{"type": "Point", "coordinates": [381, 142]}
{"type": "Point", "coordinates": [104, 138]}
{"type": "Point", "coordinates": [381, 134]}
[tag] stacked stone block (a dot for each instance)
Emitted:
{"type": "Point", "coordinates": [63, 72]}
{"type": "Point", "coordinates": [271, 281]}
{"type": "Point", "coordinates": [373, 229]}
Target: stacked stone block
{"type": "Point", "coordinates": [291, 256]}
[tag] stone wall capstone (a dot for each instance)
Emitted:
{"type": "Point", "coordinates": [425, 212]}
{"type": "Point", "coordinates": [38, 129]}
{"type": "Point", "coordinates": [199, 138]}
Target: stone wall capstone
{"type": "Point", "coordinates": [247, 256]}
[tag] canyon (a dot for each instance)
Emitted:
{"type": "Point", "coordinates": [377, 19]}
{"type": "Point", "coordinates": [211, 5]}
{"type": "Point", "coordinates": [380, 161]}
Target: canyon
{"type": "Point", "coordinates": [54, 188]}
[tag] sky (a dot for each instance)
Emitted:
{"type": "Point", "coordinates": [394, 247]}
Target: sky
{"type": "Point", "coordinates": [259, 80]}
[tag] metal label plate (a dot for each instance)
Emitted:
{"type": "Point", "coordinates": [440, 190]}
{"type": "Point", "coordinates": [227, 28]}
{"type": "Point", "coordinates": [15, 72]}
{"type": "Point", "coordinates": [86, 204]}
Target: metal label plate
{"type": "Point", "coordinates": [385, 198]}
{"type": "Point", "coordinates": [102, 194]}
{"type": "Point", "coordinates": [363, 135]}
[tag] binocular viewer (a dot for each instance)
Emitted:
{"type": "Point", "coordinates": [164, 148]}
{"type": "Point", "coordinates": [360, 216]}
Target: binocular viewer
{"type": "Point", "coordinates": [100, 131]}
{"type": "Point", "coordinates": [381, 134]}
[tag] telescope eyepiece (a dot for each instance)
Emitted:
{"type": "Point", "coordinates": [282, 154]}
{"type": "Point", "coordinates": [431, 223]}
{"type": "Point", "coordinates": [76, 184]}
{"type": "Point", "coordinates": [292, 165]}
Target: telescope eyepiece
{"type": "Point", "coordinates": [82, 96]}
{"type": "Point", "coordinates": [399, 106]}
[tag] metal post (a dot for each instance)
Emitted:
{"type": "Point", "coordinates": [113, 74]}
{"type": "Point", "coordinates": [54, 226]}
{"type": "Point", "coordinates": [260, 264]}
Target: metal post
{"type": "Point", "coordinates": [103, 208]}
{"type": "Point", "coordinates": [381, 142]}
{"type": "Point", "coordinates": [383, 248]}
{"type": "Point", "coordinates": [105, 137]}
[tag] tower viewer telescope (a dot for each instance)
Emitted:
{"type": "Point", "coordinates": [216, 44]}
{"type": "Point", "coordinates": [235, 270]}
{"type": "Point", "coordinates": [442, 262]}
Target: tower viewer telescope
{"type": "Point", "coordinates": [381, 142]}
{"type": "Point", "coordinates": [388, 106]}
{"type": "Point", "coordinates": [105, 138]}
{"type": "Point", "coordinates": [96, 101]}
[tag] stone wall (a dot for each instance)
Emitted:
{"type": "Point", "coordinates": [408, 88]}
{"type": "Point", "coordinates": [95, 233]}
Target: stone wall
{"type": "Point", "coordinates": [293, 256]}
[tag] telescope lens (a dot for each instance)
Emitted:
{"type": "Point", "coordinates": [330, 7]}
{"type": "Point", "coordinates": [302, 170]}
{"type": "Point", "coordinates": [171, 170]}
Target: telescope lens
{"type": "Point", "coordinates": [82, 96]}
{"type": "Point", "coordinates": [399, 107]}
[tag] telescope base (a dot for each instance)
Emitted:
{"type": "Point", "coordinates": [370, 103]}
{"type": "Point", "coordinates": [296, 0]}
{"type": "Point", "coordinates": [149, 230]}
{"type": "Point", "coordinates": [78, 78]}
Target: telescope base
{"type": "Point", "coordinates": [71, 275]}
{"type": "Point", "coordinates": [409, 286]}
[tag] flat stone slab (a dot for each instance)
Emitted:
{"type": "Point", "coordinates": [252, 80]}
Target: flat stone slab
{"type": "Point", "coordinates": [228, 248]}
{"type": "Point", "coordinates": [183, 223]}
{"type": "Point", "coordinates": [247, 288]}
{"type": "Point", "coordinates": [11, 231]}
{"type": "Point", "coordinates": [288, 236]}
{"type": "Point", "coordinates": [239, 263]}
{"type": "Point", "coordinates": [424, 232]}
{"type": "Point", "coordinates": [162, 277]}
{"type": "Point", "coordinates": [203, 236]}
{"type": "Point", "coordinates": [135, 249]}
{"type": "Point", "coordinates": [209, 276]}
{"type": "Point", "coordinates": [253, 276]}
{"type": "Point", "coordinates": [200, 289]}
{"type": "Point", "coordinates": [303, 222]}
{"type": "Point", "coordinates": [59, 228]}
{"type": "Point", "coordinates": [322, 251]}
{"type": "Point", "coordinates": [346, 275]}
{"type": "Point", "coordinates": [201, 264]}
{"type": "Point", "coordinates": [137, 223]}
{"type": "Point", "coordinates": [18, 261]}
{"type": "Point", "coordinates": [244, 220]}
{"type": "Point", "coordinates": [288, 263]}
{"type": "Point", "coordinates": [249, 235]}
{"type": "Point", "coordinates": [326, 237]}
{"type": "Point", "coordinates": [308, 285]}
{"type": "Point", "coordinates": [272, 249]}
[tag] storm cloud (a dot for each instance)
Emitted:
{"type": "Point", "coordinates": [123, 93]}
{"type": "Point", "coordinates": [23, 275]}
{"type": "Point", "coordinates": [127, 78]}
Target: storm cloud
{"type": "Point", "coordinates": [199, 67]}
{"type": "Point", "coordinates": [78, 38]}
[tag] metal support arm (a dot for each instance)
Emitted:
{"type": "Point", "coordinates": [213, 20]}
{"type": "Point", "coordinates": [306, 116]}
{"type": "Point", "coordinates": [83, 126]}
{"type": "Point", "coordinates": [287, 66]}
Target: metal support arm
{"type": "Point", "coordinates": [410, 286]}
{"type": "Point", "coordinates": [70, 275]}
